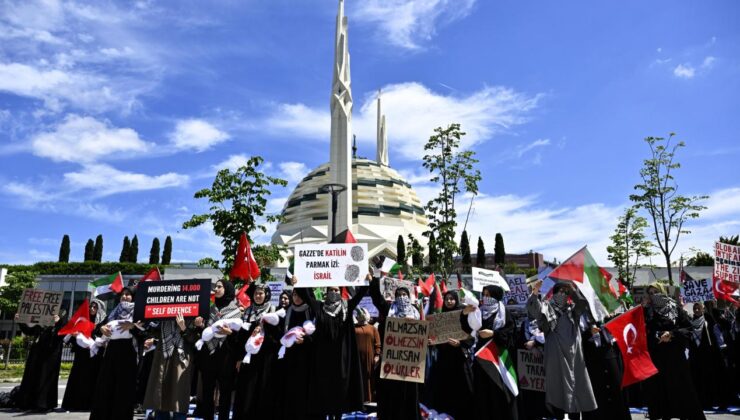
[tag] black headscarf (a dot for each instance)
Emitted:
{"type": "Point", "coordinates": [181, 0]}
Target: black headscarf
{"type": "Point", "coordinates": [495, 292]}
{"type": "Point", "coordinates": [288, 295]}
{"type": "Point", "coordinates": [454, 296]}
{"type": "Point", "coordinates": [229, 294]}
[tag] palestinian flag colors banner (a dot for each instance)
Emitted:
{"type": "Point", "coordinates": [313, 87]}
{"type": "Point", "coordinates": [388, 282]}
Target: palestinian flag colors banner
{"type": "Point", "coordinates": [498, 364]}
{"type": "Point", "coordinates": [592, 281]}
{"type": "Point", "coordinates": [109, 284]}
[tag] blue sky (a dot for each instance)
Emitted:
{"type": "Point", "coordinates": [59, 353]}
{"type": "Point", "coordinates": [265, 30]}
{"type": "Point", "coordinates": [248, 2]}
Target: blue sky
{"type": "Point", "coordinates": [112, 114]}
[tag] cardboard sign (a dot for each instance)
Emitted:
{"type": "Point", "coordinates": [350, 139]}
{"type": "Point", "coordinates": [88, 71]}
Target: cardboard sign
{"type": "Point", "coordinates": [727, 262]}
{"type": "Point", "coordinates": [322, 265]}
{"type": "Point", "coordinates": [38, 307]}
{"type": "Point", "coordinates": [445, 325]}
{"type": "Point", "coordinates": [404, 350]}
{"type": "Point", "coordinates": [367, 303]}
{"type": "Point", "coordinates": [531, 370]}
{"type": "Point", "coordinates": [388, 286]}
{"type": "Point", "coordinates": [697, 290]}
{"type": "Point", "coordinates": [276, 287]}
{"type": "Point", "coordinates": [518, 290]}
{"type": "Point", "coordinates": [483, 277]}
{"type": "Point", "coordinates": [166, 299]}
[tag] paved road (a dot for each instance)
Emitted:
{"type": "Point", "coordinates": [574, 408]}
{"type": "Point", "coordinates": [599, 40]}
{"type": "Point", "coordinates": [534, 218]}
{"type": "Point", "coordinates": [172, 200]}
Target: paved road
{"type": "Point", "coordinates": [59, 414]}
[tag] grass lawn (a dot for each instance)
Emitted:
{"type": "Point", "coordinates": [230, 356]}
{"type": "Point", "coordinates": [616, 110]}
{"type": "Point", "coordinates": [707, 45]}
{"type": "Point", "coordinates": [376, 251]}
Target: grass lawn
{"type": "Point", "coordinates": [15, 370]}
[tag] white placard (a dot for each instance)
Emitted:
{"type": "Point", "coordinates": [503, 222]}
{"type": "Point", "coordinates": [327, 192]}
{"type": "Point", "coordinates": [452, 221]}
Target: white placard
{"type": "Point", "coordinates": [276, 287]}
{"type": "Point", "coordinates": [322, 265]}
{"type": "Point", "coordinates": [519, 292]}
{"type": "Point", "coordinates": [727, 262]}
{"type": "Point", "coordinates": [482, 277]}
{"type": "Point", "coordinates": [697, 290]}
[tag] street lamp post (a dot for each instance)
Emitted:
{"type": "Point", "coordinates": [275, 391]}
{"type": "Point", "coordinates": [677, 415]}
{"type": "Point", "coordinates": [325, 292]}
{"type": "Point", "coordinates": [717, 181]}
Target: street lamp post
{"type": "Point", "coordinates": [335, 190]}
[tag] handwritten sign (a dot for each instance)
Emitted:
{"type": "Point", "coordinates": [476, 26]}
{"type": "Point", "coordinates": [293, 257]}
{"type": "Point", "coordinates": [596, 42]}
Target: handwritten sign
{"type": "Point", "coordinates": [697, 290]}
{"type": "Point", "coordinates": [445, 325]}
{"type": "Point", "coordinates": [167, 299]}
{"type": "Point", "coordinates": [727, 262]}
{"type": "Point", "coordinates": [483, 277]}
{"type": "Point", "coordinates": [276, 287]}
{"type": "Point", "coordinates": [531, 370]}
{"type": "Point", "coordinates": [321, 265]}
{"type": "Point", "coordinates": [389, 285]}
{"type": "Point", "coordinates": [38, 307]}
{"type": "Point", "coordinates": [518, 293]}
{"type": "Point", "coordinates": [404, 350]}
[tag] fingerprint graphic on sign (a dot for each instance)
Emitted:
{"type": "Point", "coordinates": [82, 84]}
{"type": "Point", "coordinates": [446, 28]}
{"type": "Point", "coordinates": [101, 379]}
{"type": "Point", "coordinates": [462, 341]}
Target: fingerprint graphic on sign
{"type": "Point", "coordinates": [357, 253]}
{"type": "Point", "coordinates": [352, 273]}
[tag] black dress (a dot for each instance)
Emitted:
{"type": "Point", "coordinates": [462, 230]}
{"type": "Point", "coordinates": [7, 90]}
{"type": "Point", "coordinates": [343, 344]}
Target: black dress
{"type": "Point", "coordinates": [531, 404]}
{"type": "Point", "coordinates": [81, 382]}
{"type": "Point", "coordinates": [605, 369]}
{"type": "Point", "coordinates": [396, 399]}
{"type": "Point", "coordinates": [38, 389]}
{"type": "Point", "coordinates": [493, 400]}
{"type": "Point", "coordinates": [115, 393]}
{"type": "Point", "coordinates": [704, 358]}
{"type": "Point", "coordinates": [449, 383]}
{"type": "Point", "coordinates": [670, 392]}
{"type": "Point", "coordinates": [336, 382]}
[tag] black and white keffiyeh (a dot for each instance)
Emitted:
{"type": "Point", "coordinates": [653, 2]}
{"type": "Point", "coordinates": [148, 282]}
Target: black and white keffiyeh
{"type": "Point", "coordinates": [402, 308]}
{"type": "Point", "coordinates": [229, 311]}
{"type": "Point", "coordinates": [124, 311]}
{"type": "Point", "coordinates": [664, 307]}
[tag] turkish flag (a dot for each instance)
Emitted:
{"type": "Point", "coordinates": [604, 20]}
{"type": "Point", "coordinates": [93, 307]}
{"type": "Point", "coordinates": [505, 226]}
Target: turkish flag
{"type": "Point", "coordinates": [245, 266]}
{"type": "Point", "coordinates": [727, 291]}
{"type": "Point", "coordinates": [152, 275]}
{"type": "Point", "coordinates": [80, 321]}
{"type": "Point", "coordinates": [630, 332]}
{"type": "Point", "coordinates": [242, 297]}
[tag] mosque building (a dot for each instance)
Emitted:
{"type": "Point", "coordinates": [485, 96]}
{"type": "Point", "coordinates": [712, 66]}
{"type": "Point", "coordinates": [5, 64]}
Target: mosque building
{"type": "Point", "coordinates": [376, 205]}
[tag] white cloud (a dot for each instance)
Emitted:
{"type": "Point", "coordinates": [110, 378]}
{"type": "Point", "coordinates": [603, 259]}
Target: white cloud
{"type": "Point", "coordinates": [105, 180]}
{"type": "Point", "coordinates": [535, 144]}
{"type": "Point", "coordinates": [708, 62]}
{"type": "Point", "coordinates": [86, 139]}
{"type": "Point", "coordinates": [293, 172]}
{"type": "Point", "coordinates": [412, 112]}
{"type": "Point", "coordinates": [409, 23]}
{"type": "Point", "coordinates": [684, 71]}
{"type": "Point", "coordinates": [231, 163]}
{"type": "Point", "coordinates": [196, 134]}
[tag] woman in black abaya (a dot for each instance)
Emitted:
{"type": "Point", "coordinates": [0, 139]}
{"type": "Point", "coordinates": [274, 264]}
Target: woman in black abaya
{"type": "Point", "coordinates": [38, 389]}
{"type": "Point", "coordinates": [81, 383]}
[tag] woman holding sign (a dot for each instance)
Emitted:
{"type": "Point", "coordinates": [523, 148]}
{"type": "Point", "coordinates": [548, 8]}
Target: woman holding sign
{"type": "Point", "coordinates": [495, 397]}
{"type": "Point", "coordinates": [396, 399]}
{"type": "Point", "coordinates": [336, 383]}
{"type": "Point", "coordinates": [115, 392]}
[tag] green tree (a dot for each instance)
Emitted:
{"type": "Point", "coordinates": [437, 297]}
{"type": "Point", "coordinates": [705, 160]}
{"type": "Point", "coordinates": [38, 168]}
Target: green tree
{"type": "Point", "coordinates": [167, 252]}
{"type": "Point", "coordinates": [730, 240]}
{"type": "Point", "coordinates": [208, 262]}
{"type": "Point", "coordinates": [466, 260]}
{"type": "Point", "coordinates": [125, 250]}
{"type": "Point", "coordinates": [98, 249]}
{"type": "Point", "coordinates": [64, 250]}
{"type": "Point", "coordinates": [266, 257]}
{"type": "Point", "coordinates": [89, 251]}
{"type": "Point", "coordinates": [417, 254]}
{"type": "Point", "coordinates": [480, 256]}
{"type": "Point", "coordinates": [454, 171]}
{"type": "Point", "coordinates": [629, 245]}
{"type": "Point", "coordinates": [238, 201]}
{"type": "Point", "coordinates": [701, 259]}
{"type": "Point", "coordinates": [15, 283]}
{"type": "Point", "coordinates": [657, 194]}
{"type": "Point", "coordinates": [499, 252]}
{"type": "Point", "coordinates": [154, 252]}
{"type": "Point", "coordinates": [133, 252]}
{"type": "Point", "coordinates": [433, 264]}
{"type": "Point", "coordinates": [401, 251]}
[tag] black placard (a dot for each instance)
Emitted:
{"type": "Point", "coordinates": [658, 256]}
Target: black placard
{"type": "Point", "coordinates": [159, 300]}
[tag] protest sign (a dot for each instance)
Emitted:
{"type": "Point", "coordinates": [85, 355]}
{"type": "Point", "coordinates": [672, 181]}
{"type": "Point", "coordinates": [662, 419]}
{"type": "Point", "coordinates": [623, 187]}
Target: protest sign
{"type": "Point", "coordinates": [38, 307]}
{"type": "Point", "coordinates": [727, 262]}
{"type": "Point", "coordinates": [445, 325]}
{"type": "Point", "coordinates": [531, 370]}
{"type": "Point", "coordinates": [166, 299]}
{"type": "Point", "coordinates": [276, 287]}
{"type": "Point", "coordinates": [404, 350]}
{"type": "Point", "coordinates": [388, 286]}
{"type": "Point", "coordinates": [697, 290]}
{"type": "Point", "coordinates": [322, 265]}
{"type": "Point", "coordinates": [367, 303]}
{"type": "Point", "coordinates": [518, 290]}
{"type": "Point", "coordinates": [482, 278]}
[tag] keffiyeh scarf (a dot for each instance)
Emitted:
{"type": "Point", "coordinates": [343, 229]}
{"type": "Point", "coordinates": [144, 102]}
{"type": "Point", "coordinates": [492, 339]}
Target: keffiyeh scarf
{"type": "Point", "coordinates": [402, 308]}
{"type": "Point", "coordinates": [227, 312]}
{"type": "Point", "coordinates": [664, 307]}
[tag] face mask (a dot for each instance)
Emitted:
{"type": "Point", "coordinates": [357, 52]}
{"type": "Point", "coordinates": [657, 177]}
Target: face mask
{"type": "Point", "coordinates": [560, 299]}
{"type": "Point", "coordinates": [333, 296]}
{"type": "Point", "coordinates": [488, 301]}
{"type": "Point", "coordinates": [403, 300]}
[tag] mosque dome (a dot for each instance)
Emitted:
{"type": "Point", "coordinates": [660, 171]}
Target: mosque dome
{"type": "Point", "coordinates": [383, 206]}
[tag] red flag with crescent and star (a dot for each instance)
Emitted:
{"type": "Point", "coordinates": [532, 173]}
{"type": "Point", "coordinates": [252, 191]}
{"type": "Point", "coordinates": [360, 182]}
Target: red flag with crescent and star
{"type": "Point", "coordinates": [630, 332]}
{"type": "Point", "coordinates": [80, 321]}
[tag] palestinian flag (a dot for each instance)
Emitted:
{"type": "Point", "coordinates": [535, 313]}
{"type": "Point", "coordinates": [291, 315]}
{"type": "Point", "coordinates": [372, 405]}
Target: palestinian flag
{"type": "Point", "coordinates": [624, 293]}
{"type": "Point", "coordinates": [427, 286]}
{"type": "Point", "coordinates": [110, 284]}
{"type": "Point", "coordinates": [592, 281]}
{"type": "Point", "coordinates": [499, 365]}
{"type": "Point", "coordinates": [392, 268]}
{"type": "Point", "coordinates": [290, 271]}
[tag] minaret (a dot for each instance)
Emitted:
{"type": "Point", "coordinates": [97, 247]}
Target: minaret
{"type": "Point", "coordinates": [341, 127]}
{"type": "Point", "coordinates": [382, 138]}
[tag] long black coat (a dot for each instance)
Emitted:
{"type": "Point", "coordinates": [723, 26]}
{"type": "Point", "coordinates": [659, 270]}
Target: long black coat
{"type": "Point", "coordinates": [81, 382]}
{"type": "Point", "coordinates": [39, 387]}
{"type": "Point", "coordinates": [605, 369]}
{"type": "Point", "coordinates": [449, 383]}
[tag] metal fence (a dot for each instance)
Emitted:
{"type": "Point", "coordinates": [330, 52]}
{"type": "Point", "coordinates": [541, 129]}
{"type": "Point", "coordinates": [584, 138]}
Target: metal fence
{"type": "Point", "coordinates": [19, 355]}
